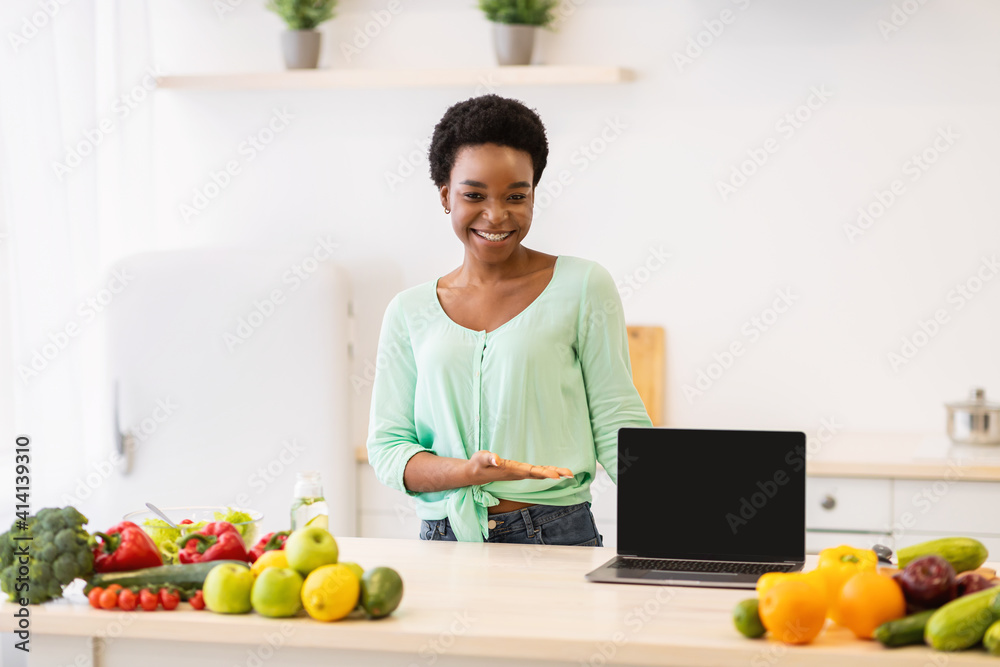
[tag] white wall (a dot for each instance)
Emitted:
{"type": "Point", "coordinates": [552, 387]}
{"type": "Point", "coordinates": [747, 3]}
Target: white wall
{"type": "Point", "coordinates": [655, 186]}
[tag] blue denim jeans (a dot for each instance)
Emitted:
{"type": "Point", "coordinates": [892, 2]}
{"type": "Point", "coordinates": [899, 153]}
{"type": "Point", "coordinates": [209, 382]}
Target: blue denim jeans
{"type": "Point", "coordinates": [539, 524]}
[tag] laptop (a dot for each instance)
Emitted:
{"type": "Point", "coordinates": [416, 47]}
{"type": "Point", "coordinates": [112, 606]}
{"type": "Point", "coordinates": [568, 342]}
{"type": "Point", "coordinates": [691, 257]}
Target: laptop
{"type": "Point", "coordinates": [708, 508]}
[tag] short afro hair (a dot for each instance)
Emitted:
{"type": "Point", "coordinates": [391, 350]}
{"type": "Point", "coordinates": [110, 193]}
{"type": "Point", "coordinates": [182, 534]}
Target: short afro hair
{"type": "Point", "coordinates": [489, 119]}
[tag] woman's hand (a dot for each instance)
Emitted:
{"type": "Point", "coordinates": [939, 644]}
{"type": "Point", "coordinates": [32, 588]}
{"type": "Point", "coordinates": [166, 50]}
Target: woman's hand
{"type": "Point", "coordinates": [485, 467]}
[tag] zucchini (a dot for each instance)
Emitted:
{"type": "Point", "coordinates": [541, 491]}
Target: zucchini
{"type": "Point", "coordinates": [991, 640]}
{"type": "Point", "coordinates": [964, 553]}
{"type": "Point", "coordinates": [904, 631]}
{"type": "Point", "coordinates": [187, 576]}
{"type": "Point", "coordinates": [962, 622]}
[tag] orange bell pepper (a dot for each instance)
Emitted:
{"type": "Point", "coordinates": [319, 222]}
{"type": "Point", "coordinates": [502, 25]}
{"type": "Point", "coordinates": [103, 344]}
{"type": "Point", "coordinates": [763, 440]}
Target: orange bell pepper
{"type": "Point", "coordinates": [839, 564]}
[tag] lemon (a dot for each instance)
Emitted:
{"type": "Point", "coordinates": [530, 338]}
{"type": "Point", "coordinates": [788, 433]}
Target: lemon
{"type": "Point", "coordinates": [331, 592]}
{"type": "Point", "coordinates": [273, 558]}
{"type": "Point", "coordinates": [321, 520]}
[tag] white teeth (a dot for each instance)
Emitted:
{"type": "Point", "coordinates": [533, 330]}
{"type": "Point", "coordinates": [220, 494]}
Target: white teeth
{"type": "Point", "coordinates": [493, 237]}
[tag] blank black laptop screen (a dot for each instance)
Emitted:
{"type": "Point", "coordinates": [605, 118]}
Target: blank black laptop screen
{"type": "Point", "coordinates": [715, 495]}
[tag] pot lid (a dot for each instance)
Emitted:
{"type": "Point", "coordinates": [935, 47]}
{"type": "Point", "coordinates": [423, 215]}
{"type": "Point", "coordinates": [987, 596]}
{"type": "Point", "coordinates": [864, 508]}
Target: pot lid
{"type": "Point", "coordinates": [976, 401]}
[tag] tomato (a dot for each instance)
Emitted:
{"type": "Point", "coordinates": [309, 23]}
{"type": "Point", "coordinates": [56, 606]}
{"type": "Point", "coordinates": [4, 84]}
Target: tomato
{"type": "Point", "coordinates": [109, 598]}
{"type": "Point", "coordinates": [126, 600]}
{"type": "Point", "coordinates": [95, 597]}
{"type": "Point", "coordinates": [169, 598]}
{"type": "Point", "coordinates": [148, 600]}
{"type": "Point", "coordinates": [197, 601]}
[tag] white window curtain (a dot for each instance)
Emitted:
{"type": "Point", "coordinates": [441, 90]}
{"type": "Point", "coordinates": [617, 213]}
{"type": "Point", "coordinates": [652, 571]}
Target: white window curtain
{"type": "Point", "coordinates": [75, 115]}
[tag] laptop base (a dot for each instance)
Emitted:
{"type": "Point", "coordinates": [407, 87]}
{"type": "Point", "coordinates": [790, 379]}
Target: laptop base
{"type": "Point", "coordinates": [609, 574]}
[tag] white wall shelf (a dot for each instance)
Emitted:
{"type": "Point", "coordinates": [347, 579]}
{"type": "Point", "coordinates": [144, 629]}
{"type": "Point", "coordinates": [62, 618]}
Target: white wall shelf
{"type": "Point", "coordinates": [324, 79]}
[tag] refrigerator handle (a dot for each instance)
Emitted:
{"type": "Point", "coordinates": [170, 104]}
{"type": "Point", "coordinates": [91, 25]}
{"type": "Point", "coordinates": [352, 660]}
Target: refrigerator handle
{"type": "Point", "coordinates": [124, 441]}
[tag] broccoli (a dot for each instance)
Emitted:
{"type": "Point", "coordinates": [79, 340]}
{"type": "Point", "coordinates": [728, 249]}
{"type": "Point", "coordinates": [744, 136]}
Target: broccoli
{"type": "Point", "coordinates": [58, 553]}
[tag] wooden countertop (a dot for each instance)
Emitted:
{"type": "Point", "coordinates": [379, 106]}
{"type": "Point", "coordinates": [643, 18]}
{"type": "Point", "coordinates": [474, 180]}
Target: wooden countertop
{"type": "Point", "coordinates": [508, 601]}
{"type": "Point", "coordinates": [889, 455]}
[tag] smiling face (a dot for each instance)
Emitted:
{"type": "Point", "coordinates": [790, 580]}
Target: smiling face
{"type": "Point", "coordinates": [491, 197]}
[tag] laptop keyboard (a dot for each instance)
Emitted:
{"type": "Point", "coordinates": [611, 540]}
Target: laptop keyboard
{"type": "Point", "coordinates": [700, 566]}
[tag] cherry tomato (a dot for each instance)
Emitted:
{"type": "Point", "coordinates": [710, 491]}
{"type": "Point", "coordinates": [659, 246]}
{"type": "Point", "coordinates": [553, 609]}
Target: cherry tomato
{"type": "Point", "coordinates": [95, 597]}
{"type": "Point", "coordinates": [197, 601]}
{"type": "Point", "coordinates": [126, 600]}
{"type": "Point", "coordinates": [148, 600]}
{"type": "Point", "coordinates": [169, 598]}
{"type": "Point", "coordinates": [108, 599]}
{"type": "Point", "coordinates": [114, 587]}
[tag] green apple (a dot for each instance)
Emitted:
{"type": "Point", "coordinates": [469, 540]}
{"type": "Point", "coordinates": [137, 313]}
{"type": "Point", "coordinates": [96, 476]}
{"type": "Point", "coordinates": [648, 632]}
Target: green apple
{"type": "Point", "coordinates": [227, 588]}
{"type": "Point", "coordinates": [309, 548]}
{"type": "Point", "coordinates": [277, 592]}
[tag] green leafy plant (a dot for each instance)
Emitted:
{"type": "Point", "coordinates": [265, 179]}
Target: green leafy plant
{"type": "Point", "coordinates": [303, 14]}
{"type": "Point", "coordinates": [521, 12]}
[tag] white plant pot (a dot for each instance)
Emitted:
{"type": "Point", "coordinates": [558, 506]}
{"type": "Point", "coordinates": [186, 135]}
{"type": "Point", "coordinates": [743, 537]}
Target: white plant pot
{"type": "Point", "coordinates": [301, 48]}
{"type": "Point", "coordinates": [513, 43]}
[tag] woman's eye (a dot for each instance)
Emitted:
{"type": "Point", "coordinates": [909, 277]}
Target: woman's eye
{"type": "Point", "coordinates": [518, 197]}
{"type": "Point", "coordinates": [473, 195]}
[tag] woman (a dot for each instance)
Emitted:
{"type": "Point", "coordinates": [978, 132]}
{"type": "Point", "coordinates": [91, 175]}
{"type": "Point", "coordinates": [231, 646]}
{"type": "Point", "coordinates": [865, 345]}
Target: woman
{"type": "Point", "coordinates": [514, 356]}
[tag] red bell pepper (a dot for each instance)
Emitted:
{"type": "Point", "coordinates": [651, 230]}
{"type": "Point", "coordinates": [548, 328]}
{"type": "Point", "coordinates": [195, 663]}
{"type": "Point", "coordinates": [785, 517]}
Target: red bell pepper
{"type": "Point", "coordinates": [125, 547]}
{"type": "Point", "coordinates": [270, 542]}
{"type": "Point", "coordinates": [218, 540]}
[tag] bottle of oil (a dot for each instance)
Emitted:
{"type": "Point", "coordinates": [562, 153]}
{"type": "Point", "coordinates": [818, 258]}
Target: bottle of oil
{"type": "Point", "coordinates": [309, 507]}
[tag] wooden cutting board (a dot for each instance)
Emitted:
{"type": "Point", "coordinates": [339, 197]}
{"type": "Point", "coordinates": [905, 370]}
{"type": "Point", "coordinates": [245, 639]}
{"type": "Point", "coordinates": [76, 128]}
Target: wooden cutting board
{"type": "Point", "coordinates": [646, 354]}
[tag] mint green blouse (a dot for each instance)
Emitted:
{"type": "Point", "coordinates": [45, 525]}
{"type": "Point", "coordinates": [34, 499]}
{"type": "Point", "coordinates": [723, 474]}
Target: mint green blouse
{"type": "Point", "coordinates": [551, 386]}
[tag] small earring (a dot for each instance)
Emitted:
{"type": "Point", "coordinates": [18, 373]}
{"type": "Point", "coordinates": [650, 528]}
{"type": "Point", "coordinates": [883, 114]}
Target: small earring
{"type": "Point", "coordinates": [447, 211]}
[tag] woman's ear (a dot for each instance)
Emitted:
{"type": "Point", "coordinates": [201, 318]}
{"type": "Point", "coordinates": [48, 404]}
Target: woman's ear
{"type": "Point", "coordinates": [444, 197]}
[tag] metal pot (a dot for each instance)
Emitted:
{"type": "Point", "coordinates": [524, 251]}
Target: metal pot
{"type": "Point", "coordinates": [975, 421]}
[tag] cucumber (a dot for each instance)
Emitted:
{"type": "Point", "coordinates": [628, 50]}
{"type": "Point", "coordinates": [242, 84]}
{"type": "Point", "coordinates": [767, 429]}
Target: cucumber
{"type": "Point", "coordinates": [187, 576]}
{"type": "Point", "coordinates": [991, 640]}
{"type": "Point", "coordinates": [962, 622]}
{"type": "Point", "coordinates": [904, 631]}
{"type": "Point", "coordinates": [964, 553]}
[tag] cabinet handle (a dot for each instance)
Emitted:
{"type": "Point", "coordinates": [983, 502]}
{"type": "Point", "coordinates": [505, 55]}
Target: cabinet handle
{"type": "Point", "coordinates": [828, 502]}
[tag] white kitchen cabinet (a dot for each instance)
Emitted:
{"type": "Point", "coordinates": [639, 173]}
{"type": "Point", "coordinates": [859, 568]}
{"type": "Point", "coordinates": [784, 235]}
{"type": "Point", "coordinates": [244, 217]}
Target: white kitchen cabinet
{"type": "Point", "coordinates": [844, 503]}
{"type": "Point", "coordinates": [946, 506]}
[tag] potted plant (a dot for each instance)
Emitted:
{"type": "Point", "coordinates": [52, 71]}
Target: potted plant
{"type": "Point", "coordinates": [514, 25]}
{"type": "Point", "coordinates": [300, 43]}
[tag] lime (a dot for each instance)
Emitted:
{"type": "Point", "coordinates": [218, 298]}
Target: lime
{"type": "Point", "coordinates": [747, 619]}
{"type": "Point", "coordinates": [321, 520]}
{"type": "Point", "coordinates": [381, 591]}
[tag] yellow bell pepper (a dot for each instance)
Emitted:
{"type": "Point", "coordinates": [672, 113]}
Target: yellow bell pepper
{"type": "Point", "coordinates": [839, 564]}
{"type": "Point", "coordinates": [814, 578]}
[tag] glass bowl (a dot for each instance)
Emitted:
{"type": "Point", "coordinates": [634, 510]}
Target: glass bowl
{"type": "Point", "coordinates": [156, 528]}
